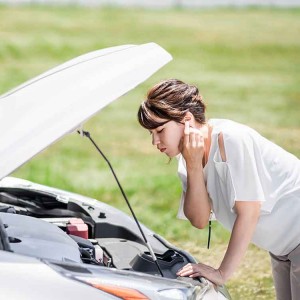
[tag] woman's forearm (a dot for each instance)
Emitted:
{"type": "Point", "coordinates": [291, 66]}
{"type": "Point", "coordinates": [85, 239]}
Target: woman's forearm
{"type": "Point", "coordinates": [196, 201]}
{"type": "Point", "coordinates": [242, 232]}
{"type": "Point", "coordinates": [243, 229]}
{"type": "Point", "coordinates": [197, 205]}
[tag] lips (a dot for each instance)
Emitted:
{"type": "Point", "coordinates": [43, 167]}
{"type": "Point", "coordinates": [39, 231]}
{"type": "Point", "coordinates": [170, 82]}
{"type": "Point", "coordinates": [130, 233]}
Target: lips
{"type": "Point", "coordinates": [162, 149]}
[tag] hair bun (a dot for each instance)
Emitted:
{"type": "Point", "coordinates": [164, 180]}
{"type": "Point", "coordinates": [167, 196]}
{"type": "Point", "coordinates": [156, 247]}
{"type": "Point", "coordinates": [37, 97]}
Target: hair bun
{"type": "Point", "coordinates": [198, 98]}
{"type": "Point", "coordinates": [195, 96]}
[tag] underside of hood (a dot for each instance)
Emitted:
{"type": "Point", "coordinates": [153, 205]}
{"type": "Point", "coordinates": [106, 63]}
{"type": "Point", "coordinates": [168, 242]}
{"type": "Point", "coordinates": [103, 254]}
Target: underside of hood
{"type": "Point", "coordinates": [44, 109]}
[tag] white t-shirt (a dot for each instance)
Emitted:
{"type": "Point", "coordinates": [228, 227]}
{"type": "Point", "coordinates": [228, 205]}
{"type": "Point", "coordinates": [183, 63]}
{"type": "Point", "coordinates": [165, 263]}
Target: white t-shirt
{"type": "Point", "coordinates": [255, 170]}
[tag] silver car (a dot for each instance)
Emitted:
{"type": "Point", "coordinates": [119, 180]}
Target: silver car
{"type": "Point", "coordinates": [59, 245]}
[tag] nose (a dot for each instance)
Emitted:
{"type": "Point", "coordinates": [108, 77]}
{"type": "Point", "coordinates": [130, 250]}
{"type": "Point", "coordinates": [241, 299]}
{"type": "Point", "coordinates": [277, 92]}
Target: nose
{"type": "Point", "coordinates": [155, 139]}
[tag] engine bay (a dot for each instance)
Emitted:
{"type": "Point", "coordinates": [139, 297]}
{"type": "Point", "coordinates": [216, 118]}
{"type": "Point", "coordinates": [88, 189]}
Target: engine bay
{"type": "Point", "coordinates": [59, 228]}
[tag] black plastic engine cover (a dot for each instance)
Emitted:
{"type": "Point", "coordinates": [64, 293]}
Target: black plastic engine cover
{"type": "Point", "coordinates": [170, 262]}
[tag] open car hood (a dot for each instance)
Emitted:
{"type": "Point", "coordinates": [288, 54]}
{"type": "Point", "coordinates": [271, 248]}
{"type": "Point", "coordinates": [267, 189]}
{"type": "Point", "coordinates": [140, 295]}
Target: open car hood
{"type": "Point", "coordinates": [44, 109]}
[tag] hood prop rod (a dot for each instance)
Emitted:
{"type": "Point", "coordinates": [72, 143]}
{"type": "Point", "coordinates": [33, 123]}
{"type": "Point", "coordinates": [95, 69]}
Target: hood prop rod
{"type": "Point", "coordinates": [87, 134]}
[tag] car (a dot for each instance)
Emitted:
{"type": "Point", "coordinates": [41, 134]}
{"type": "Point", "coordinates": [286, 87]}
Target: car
{"type": "Point", "coordinates": [55, 244]}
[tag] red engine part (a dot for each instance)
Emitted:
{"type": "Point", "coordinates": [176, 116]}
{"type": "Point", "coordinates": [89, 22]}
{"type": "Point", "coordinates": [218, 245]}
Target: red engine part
{"type": "Point", "coordinates": [77, 227]}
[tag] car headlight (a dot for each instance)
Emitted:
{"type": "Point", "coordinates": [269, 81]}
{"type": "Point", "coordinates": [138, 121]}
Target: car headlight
{"type": "Point", "coordinates": [195, 293]}
{"type": "Point", "coordinates": [132, 292]}
{"type": "Point", "coordinates": [175, 294]}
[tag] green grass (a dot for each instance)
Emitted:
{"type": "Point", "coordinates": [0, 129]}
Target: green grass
{"type": "Point", "coordinates": [246, 63]}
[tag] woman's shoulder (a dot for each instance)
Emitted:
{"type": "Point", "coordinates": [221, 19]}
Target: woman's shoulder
{"type": "Point", "coordinates": [234, 135]}
{"type": "Point", "coordinates": [230, 128]}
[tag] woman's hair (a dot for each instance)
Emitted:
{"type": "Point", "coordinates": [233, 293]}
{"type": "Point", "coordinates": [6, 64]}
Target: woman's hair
{"type": "Point", "coordinates": [171, 99]}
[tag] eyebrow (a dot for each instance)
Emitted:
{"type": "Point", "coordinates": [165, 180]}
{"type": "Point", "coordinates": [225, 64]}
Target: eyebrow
{"type": "Point", "coordinates": [161, 124]}
{"type": "Point", "coordinates": [164, 123]}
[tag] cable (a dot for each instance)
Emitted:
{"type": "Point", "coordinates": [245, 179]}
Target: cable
{"type": "Point", "coordinates": [209, 234]}
{"type": "Point", "coordinates": [87, 134]}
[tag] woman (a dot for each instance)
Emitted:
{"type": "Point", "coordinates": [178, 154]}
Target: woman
{"type": "Point", "coordinates": [251, 184]}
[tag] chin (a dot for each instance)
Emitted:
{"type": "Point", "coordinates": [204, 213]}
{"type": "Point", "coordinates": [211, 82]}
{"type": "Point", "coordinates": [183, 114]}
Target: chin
{"type": "Point", "coordinates": [174, 154]}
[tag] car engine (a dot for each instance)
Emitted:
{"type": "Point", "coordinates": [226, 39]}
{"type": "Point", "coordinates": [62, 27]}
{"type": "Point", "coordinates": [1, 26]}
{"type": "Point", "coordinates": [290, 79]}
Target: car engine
{"type": "Point", "coordinates": [40, 224]}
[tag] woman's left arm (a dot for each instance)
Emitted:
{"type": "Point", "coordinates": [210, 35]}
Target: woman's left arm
{"type": "Point", "coordinates": [242, 232]}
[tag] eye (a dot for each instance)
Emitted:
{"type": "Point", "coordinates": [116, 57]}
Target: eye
{"type": "Point", "coordinates": [160, 130]}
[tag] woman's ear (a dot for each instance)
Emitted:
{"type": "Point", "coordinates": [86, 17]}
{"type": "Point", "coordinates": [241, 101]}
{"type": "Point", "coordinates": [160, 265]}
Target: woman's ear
{"type": "Point", "coordinates": [189, 117]}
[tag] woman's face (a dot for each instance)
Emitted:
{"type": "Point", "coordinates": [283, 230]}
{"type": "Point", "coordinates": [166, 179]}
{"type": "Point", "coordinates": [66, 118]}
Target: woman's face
{"type": "Point", "coordinates": [167, 137]}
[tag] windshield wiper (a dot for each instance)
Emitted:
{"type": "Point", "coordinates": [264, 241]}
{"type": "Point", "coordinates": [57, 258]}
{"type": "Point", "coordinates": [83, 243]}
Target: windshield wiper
{"type": "Point", "coordinates": [13, 200]}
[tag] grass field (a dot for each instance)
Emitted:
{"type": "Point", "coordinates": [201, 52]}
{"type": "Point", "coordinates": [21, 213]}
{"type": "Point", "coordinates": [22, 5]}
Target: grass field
{"type": "Point", "coordinates": [246, 63]}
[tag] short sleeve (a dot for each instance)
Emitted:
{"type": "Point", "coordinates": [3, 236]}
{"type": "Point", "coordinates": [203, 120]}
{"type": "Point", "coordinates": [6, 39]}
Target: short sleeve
{"type": "Point", "coordinates": [242, 159]}
{"type": "Point", "coordinates": [182, 174]}
{"type": "Point", "coordinates": [180, 213]}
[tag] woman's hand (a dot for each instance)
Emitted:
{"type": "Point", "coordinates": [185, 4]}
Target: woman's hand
{"type": "Point", "coordinates": [192, 146]}
{"type": "Point", "coordinates": [202, 270]}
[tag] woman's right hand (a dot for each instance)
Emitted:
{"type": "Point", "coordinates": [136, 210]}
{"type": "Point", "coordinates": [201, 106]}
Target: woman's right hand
{"type": "Point", "coordinates": [192, 147]}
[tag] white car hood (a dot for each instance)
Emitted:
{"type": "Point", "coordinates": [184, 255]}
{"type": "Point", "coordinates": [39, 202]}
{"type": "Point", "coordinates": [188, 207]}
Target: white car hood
{"type": "Point", "coordinates": [44, 109]}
